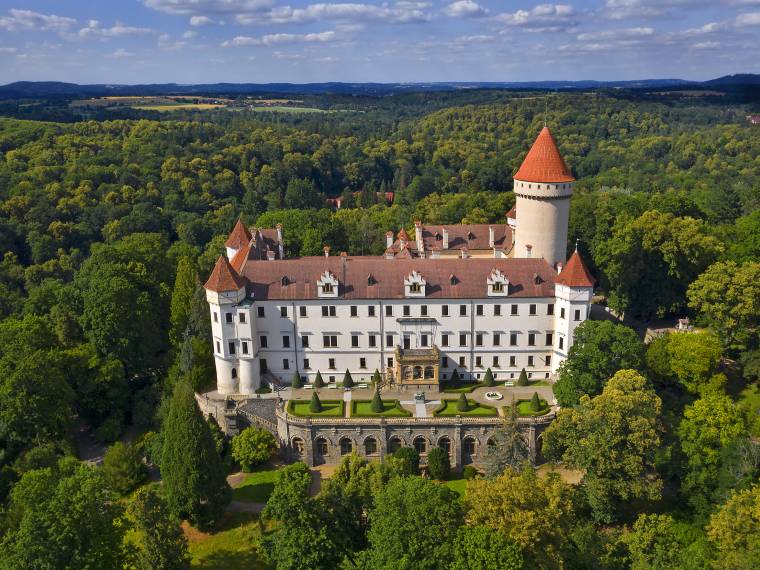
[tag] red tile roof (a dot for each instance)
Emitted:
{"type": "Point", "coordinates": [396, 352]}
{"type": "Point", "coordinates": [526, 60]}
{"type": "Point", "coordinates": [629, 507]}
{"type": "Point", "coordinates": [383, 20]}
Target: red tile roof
{"type": "Point", "coordinates": [544, 163]}
{"type": "Point", "coordinates": [297, 278]}
{"type": "Point", "coordinates": [471, 236]}
{"type": "Point", "coordinates": [403, 235]}
{"type": "Point", "coordinates": [224, 277]}
{"type": "Point", "coordinates": [512, 212]}
{"type": "Point", "coordinates": [575, 273]}
{"type": "Point", "coordinates": [239, 236]}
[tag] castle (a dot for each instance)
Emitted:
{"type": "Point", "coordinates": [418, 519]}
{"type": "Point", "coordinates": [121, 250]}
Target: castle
{"type": "Point", "coordinates": [456, 297]}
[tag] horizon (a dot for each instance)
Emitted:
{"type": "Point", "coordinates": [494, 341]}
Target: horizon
{"type": "Point", "coordinates": [190, 42]}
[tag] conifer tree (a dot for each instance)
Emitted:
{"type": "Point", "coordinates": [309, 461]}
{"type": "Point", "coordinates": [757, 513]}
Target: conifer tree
{"type": "Point", "coordinates": [315, 406]}
{"type": "Point", "coordinates": [377, 403]}
{"type": "Point", "coordinates": [162, 546]}
{"type": "Point", "coordinates": [377, 379]}
{"type": "Point", "coordinates": [488, 379]}
{"type": "Point", "coordinates": [182, 296]}
{"type": "Point", "coordinates": [318, 382]}
{"type": "Point", "coordinates": [462, 405]}
{"type": "Point", "coordinates": [535, 403]}
{"type": "Point", "coordinates": [193, 476]}
{"type": "Point", "coordinates": [348, 381]}
{"type": "Point", "coordinates": [523, 379]}
{"type": "Point", "coordinates": [296, 382]}
{"type": "Point", "coordinates": [454, 377]}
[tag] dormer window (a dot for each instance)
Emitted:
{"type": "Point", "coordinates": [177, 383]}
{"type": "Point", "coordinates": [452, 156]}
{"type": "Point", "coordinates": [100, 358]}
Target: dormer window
{"type": "Point", "coordinates": [414, 285]}
{"type": "Point", "coordinates": [498, 287]}
{"type": "Point", "coordinates": [285, 281]}
{"type": "Point", "coordinates": [327, 288]}
{"type": "Point", "coordinates": [415, 288]}
{"type": "Point", "coordinates": [327, 285]}
{"type": "Point", "coordinates": [498, 284]}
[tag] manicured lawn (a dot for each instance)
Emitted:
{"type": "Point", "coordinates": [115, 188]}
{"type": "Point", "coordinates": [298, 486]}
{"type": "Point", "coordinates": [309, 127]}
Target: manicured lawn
{"type": "Point", "coordinates": [231, 547]}
{"type": "Point", "coordinates": [464, 388]}
{"type": "Point", "coordinates": [523, 408]}
{"type": "Point", "coordinates": [363, 409]}
{"type": "Point", "coordinates": [257, 486]}
{"type": "Point", "coordinates": [330, 408]}
{"type": "Point", "coordinates": [449, 408]}
{"type": "Point", "coordinates": [458, 485]}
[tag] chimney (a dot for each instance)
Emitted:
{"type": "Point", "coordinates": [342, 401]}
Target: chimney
{"type": "Point", "coordinates": [528, 250]}
{"type": "Point", "coordinates": [327, 251]}
{"type": "Point", "coordinates": [465, 253]}
{"type": "Point", "coordinates": [560, 265]}
{"type": "Point", "coordinates": [418, 235]}
{"type": "Point", "coordinates": [491, 236]}
{"type": "Point", "coordinates": [280, 244]}
{"type": "Point", "coordinates": [445, 244]}
{"type": "Point", "coordinates": [388, 239]}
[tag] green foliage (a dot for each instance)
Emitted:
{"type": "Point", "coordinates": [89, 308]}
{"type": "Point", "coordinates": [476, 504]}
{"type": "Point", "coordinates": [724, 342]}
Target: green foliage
{"type": "Point", "coordinates": [318, 382]}
{"type": "Point", "coordinates": [488, 378]}
{"type": "Point", "coordinates": [348, 381]}
{"type": "Point", "coordinates": [599, 350]}
{"type": "Point", "coordinates": [408, 461]}
{"type": "Point", "coordinates": [253, 446]}
{"type": "Point", "coordinates": [690, 359]}
{"type": "Point", "coordinates": [376, 378]}
{"type": "Point", "coordinates": [509, 447]}
{"type": "Point", "coordinates": [161, 544]}
{"type": "Point", "coordinates": [535, 403]}
{"type": "Point", "coordinates": [296, 382]}
{"type": "Point", "coordinates": [315, 406]}
{"type": "Point", "coordinates": [659, 541]}
{"type": "Point", "coordinates": [522, 380]}
{"type": "Point", "coordinates": [192, 472]}
{"type": "Point", "coordinates": [469, 472]}
{"type": "Point", "coordinates": [438, 464]}
{"type": "Point", "coordinates": [462, 404]}
{"type": "Point", "coordinates": [734, 531]}
{"type": "Point", "coordinates": [185, 282]}
{"type": "Point", "coordinates": [123, 468]}
{"type": "Point", "coordinates": [480, 548]}
{"type": "Point", "coordinates": [377, 403]}
{"type": "Point", "coordinates": [454, 377]}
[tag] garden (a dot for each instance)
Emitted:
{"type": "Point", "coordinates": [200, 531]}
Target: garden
{"type": "Point", "coordinates": [391, 409]}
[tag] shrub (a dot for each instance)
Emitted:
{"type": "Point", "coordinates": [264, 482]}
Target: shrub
{"type": "Point", "coordinates": [376, 378]}
{"type": "Point", "coordinates": [296, 382]}
{"type": "Point", "coordinates": [454, 377]}
{"type": "Point", "coordinates": [488, 379]}
{"type": "Point", "coordinates": [462, 405]}
{"type": "Point", "coordinates": [318, 382]}
{"type": "Point", "coordinates": [348, 381]}
{"type": "Point", "coordinates": [409, 461]}
{"type": "Point", "coordinates": [523, 379]}
{"type": "Point", "coordinates": [469, 472]}
{"type": "Point", "coordinates": [315, 406]}
{"type": "Point", "coordinates": [123, 468]}
{"type": "Point", "coordinates": [253, 446]}
{"type": "Point", "coordinates": [377, 403]}
{"type": "Point", "coordinates": [535, 403]}
{"type": "Point", "coordinates": [439, 464]}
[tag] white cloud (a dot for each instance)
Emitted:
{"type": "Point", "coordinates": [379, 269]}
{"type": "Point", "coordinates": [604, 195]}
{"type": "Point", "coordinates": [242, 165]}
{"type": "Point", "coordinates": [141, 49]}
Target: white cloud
{"type": "Point", "coordinates": [612, 35]}
{"type": "Point", "coordinates": [398, 12]}
{"type": "Point", "coordinates": [189, 34]}
{"type": "Point", "coordinates": [119, 30]}
{"type": "Point", "coordinates": [627, 9]}
{"type": "Point", "coordinates": [122, 53]}
{"type": "Point", "coordinates": [544, 17]}
{"type": "Point", "coordinates": [748, 19]}
{"type": "Point", "coordinates": [707, 45]}
{"type": "Point", "coordinates": [466, 9]}
{"type": "Point", "coordinates": [203, 7]}
{"type": "Point", "coordinates": [17, 20]}
{"type": "Point", "coordinates": [201, 21]}
{"type": "Point", "coordinates": [475, 39]}
{"type": "Point", "coordinates": [288, 56]}
{"type": "Point", "coordinates": [8, 50]}
{"type": "Point", "coordinates": [270, 39]}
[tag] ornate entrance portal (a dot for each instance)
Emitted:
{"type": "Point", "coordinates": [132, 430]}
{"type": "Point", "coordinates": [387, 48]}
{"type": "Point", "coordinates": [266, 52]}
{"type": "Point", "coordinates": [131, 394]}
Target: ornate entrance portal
{"type": "Point", "coordinates": [417, 367]}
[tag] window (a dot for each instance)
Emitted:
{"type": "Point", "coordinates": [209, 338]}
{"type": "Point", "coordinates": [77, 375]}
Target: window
{"type": "Point", "coordinates": [497, 287]}
{"type": "Point", "coordinates": [479, 310]}
{"type": "Point", "coordinates": [496, 339]}
{"type": "Point", "coordinates": [371, 311]}
{"type": "Point", "coordinates": [331, 364]}
{"type": "Point", "coordinates": [462, 361]}
{"type": "Point", "coordinates": [512, 361]}
{"type": "Point", "coordinates": [550, 309]}
{"type": "Point", "coordinates": [285, 341]}
{"type": "Point", "coordinates": [263, 341]}
{"type": "Point", "coordinates": [423, 311]}
{"type": "Point", "coordinates": [420, 445]}
{"type": "Point", "coordinates": [231, 346]}
{"type": "Point", "coordinates": [362, 363]}
{"type": "Point", "coordinates": [479, 339]}
{"type": "Point", "coordinates": [561, 342]}
{"type": "Point", "coordinates": [548, 360]}
{"type": "Point", "coordinates": [495, 362]}
{"type": "Point", "coordinates": [285, 364]}
{"type": "Point", "coordinates": [497, 310]}
{"type": "Point", "coordinates": [322, 446]}
{"type": "Point", "coordinates": [512, 339]}
{"type": "Point", "coordinates": [388, 310]}
{"type": "Point", "coordinates": [372, 341]}
{"type": "Point", "coordinates": [415, 288]}
{"type": "Point", "coordinates": [241, 317]}
{"type": "Point", "coordinates": [305, 341]}
{"type": "Point", "coordinates": [462, 310]}
{"type": "Point", "coordinates": [302, 311]}
{"type": "Point", "coordinates": [216, 317]}
{"type": "Point", "coordinates": [346, 446]}
{"type": "Point", "coordinates": [370, 446]}
{"type": "Point", "coordinates": [244, 346]}
{"type": "Point", "coordinates": [354, 341]}
{"type": "Point", "coordinates": [228, 318]}
{"type": "Point", "coordinates": [423, 340]}
{"type": "Point", "coordinates": [513, 310]}
{"type": "Point", "coordinates": [234, 373]}
{"type": "Point", "coordinates": [354, 311]}
{"type": "Point", "coordinates": [562, 312]}
{"type": "Point", "coordinates": [407, 310]}
{"type": "Point", "coordinates": [577, 314]}
{"type": "Point", "coordinates": [389, 340]}
{"type": "Point", "coordinates": [328, 310]}
{"type": "Point", "coordinates": [260, 312]}
{"type": "Point", "coordinates": [390, 362]}
{"type": "Point", "coordinates": [444, 310]}
{"type": "Point", "coordinates": [532, 309]}
{"type": "Point", "coordinates": [462, 339]}
{"type": "Point", "coordinates": [329, 341]}
{"type": "Point", "coordinates": [306, 363]}
{"type": "Point", "coordinates": [444, 362]}
{"type": "Point", "coordinates": [327, 288]}
{"type": "Point", "coordinates": [444, 340]}
{"type": "Point", "coordinates": [549, 339]}
{"type": "Point", "coordinates": [531, 339]}
{"type": "Point", "coordinates": [283, 312]}
{"type": "Point", "coordinates": [218, 347]}
{"type": "Point", "coordinates": [478, 362]}
{"type": "Point", "coordinates": [530, 360]}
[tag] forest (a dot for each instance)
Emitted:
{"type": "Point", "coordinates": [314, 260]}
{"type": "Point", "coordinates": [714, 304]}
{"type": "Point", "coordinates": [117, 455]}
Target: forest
{"type": "Point", "coordinates": [108, 226]}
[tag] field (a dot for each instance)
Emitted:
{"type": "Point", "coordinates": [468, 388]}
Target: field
{"type": "Point", "coordinates": [283, 109]}
{"type": "Point", "coordinates": [257, 486]}
{"type": "Point", "coordinates": [180, 107]}
{"type": "Point", "coordinates": [363, 409]}
{"type": "Point", "coordinates": [330, 408]}
{"type": "Point", "coordinates": [449, 409]}
{"type": "Point", "coordinates": [231, 547]}
{"type": "Point", "coordinates": [157, 103]}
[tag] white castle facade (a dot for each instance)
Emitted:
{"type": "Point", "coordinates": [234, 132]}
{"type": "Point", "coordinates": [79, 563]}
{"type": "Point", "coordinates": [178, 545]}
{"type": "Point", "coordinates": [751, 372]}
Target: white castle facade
{"type": "Point", "coordinates": [458, 297]}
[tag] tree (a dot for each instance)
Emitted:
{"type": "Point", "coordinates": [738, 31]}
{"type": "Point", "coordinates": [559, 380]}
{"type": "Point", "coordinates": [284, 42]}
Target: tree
{"type": "Point", "coordinates": [124, 468]}
{"type": "Point", "coordinates": [438, 464]}
{"type": "Point", "coordinates": [692, 359]}
{"type": "Point", "coordinates": [726, 297]}
{"type": "Point", "coordinates": [599, 350]}
{"type": "Point", "coordinates": [426, 514]}
{"type": "Point", "coordinates": [194, 479]}
{"type": "Point", "coordinates": [408, 461]}
{"type": "Point", "coordinates": [734, 530]}
{"type": "Point", "coordinates": [462, 404]}
{"type": "Point", "coordinates": [709, 426]}
{"type": "Point", "coordinates": [659, 541]}
{"type": "Point", "coordinates": [162, 546]}
{"type": "Point", "coordinates": [377, 403]}
{"type": "Point", "coordinates": [377, 379]}
{"type": "Point", "coordinates": [348, 381]}
{"type": "Point", "coordinates": [185, 282]}
{"type": "Point", "coordinates": [318, 382]}
{"type": "Point", "coordinates": [535, 403]}
{"type": "Point", "coordinates": [613, 438]}
{"type": "Point", "coordinates": [253, 446]}
{"type": "Point", "coordinates": [527, 509]}
{"type": "Point", "coordinates": [488, 378]}
{"type": "Point", "coordinates": [509, 447]}
{"type": "Point", "coordinates": [315, 406]}
{"type": "Point", "coordinates": [454, 377]}
{"type": "Point", "coordinates": [480, 548]}
{"type": "Point", "coordinates": [296, 382]}
{"type": "Point", "coordinates": [522, 380]}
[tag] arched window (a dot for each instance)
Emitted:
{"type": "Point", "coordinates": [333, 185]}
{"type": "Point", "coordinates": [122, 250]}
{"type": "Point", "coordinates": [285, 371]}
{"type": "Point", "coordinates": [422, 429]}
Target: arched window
{"type": "Point", "coordinates": [429, 372]}
{"type": "Point", "coordinates": [298, 446]}
{"type": "Point", "coordinates": [491, 444]}
{"type": "Point", "coordinates": [234, 373]}
{"type": "Point", "coordinates": [420, 444]}
{"type": "Point", "coordinates": [346, 446]}
{"type": "Point", "coordinates": [370, 446]}
{"type": "Point", "coordinates": [468, 446]}
{"type": "Point", "coordinates": [394, 444]}
{"type": "Point", "coordinates": [445, 444]}
{"type": "Point", "coordinates": [321, 446]}
{"type": "Point", "coordinates": [418, 372]}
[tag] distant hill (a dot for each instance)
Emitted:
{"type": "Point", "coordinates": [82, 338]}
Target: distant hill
{"type": "Point", "coordinates": [736, 79]}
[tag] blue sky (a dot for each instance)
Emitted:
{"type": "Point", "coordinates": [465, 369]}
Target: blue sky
{"type": "Point", "coordinates": [200, 41]}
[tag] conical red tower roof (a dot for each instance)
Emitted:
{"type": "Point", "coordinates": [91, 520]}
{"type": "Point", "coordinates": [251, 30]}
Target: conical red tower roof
{"type": "Point", "coordinates": [403, 235]}
{"type": "Point", "coordinates": [544, 163]}
{"type": "Point", "coordinates": [239, 237]}
{"type": "Point", "coordinates": [224, 277]}
{"type": "Point", "coordinates": [575, 273]}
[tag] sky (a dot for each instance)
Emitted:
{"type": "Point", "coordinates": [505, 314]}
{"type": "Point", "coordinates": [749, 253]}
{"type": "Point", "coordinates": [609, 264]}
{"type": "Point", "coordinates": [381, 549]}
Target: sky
{"type": "Point", "coordinates": [261, 41]}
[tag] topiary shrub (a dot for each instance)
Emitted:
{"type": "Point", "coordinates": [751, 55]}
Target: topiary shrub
{"type": "Point", "coordinates": [462, 405]}
{"type": "Point", "coordinates": [439, 464]}
{"type": "Point", "coordinates": [454, 377]}
{"type": "Point", "coordinates": [488, 379]}
{"type": "Point", "coordinates": [124, 468]}
{"type": "Point", "coordinates": [377, 379]}
{"type": "Point", "coordinates": [469, 472]}
{"type": "Point", "coordinates": [253, 446]}
{"type": "Point", "coordinates": [535, 403]}
{"type": "Point", "coordinates": [296, 382]}
{"type": "Point", "coordinates": [348, 381]}
{"type": "Point", "coordinates": [377, 403]}
{"type": "Point", "coordinates": [315, 406]}
{"type": "Point", "coordinates": [408, 461]}
{"type": "Point", "coordinates": [318, 382]}
{"type": "Point", "coordinates": [523, 379]}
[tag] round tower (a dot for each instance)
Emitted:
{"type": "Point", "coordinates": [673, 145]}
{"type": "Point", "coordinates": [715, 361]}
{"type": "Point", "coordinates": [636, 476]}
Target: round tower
{"type": "Point", "coordinates": [543, 186]}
